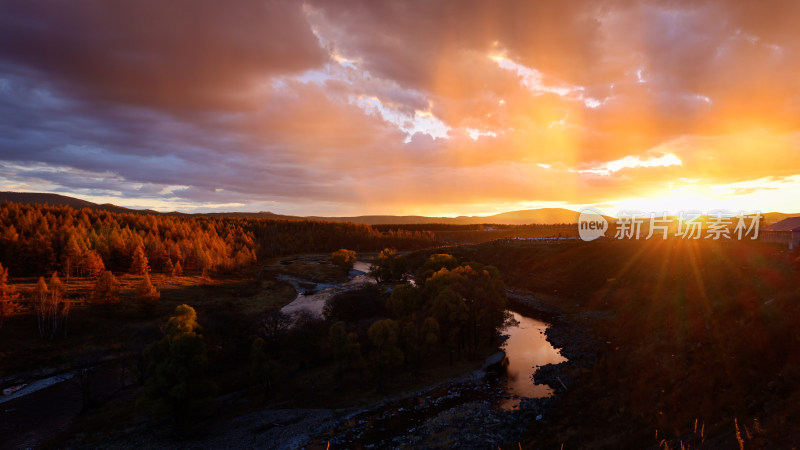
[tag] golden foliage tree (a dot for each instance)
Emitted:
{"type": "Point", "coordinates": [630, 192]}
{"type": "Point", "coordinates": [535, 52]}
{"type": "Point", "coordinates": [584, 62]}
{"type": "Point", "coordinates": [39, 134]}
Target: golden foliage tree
{"type": "Point", "coordinates": [140, 264]}
{"type": "Point", "coordinates": [148, 295]}
{"type": "Point", "coordinates": [8, 295]}
{"type": "Point", "coordinates": [389, 267]}
{"type": "Point", "coordinates": [37, 239]}
{"type": "Point", "coordinates": [71, 257]}
{"type": "Point", "coordinates": [40, 296]}
{"type": "Point", "coordinates": [51, 309]}
{"type": "Point", "coordinates": [344, 258]}
{"type": "Point", "coordinates": [106, 289]}
{"type": "Point", "coordinates": [177, 271]}
{"type": "Point", "coordinates": [94, 264]}
{"type": "Point", "coordinates": [169, 268]}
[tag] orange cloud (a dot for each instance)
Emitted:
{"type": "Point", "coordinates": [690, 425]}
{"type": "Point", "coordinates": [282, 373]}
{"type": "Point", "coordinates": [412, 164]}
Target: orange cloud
{"type": "Point", "coordinates": [392, 107]}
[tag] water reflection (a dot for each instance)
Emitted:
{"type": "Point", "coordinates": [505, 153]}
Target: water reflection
{"type": "Point", "coordinates": [526, 348]}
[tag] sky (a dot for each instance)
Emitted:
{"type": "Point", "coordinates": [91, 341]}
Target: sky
{"type": "Point", "coordinates": [452, 107]}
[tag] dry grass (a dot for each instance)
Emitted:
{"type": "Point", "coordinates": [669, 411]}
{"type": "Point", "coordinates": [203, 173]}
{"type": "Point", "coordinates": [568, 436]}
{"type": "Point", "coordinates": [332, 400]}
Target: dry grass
{"type": "Point", "coordinates": [106, 327]}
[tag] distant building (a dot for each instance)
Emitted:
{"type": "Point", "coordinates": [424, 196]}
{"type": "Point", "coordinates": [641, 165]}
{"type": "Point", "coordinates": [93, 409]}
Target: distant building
{"type": "Point", "coordinates": [787, 231]}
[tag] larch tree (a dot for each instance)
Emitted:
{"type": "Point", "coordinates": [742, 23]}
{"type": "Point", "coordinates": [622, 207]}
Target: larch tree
{"type": "Point", "coordinates": [8, 295]}
{"type": "Point", "coordinates": [71, 257]}
{"type": "Point", "coordinates": [169, 268]}
{"type": "Point", "coordinates": [178, 270]}
{"type": "Point", "coordinates": [60, 304]}
{"type": "Point", "coordinates": [106, 289]}
{"type": "Point", "coordinates": [140, 265]}
{"type": "Point", "coordinates": [94, 264]}
{"type": "Point", "coordinates": [50, 310]}
{"type": "Point", "coordinates": [148, 296]}
{"type": "Point", "coordinates": [40, 297]}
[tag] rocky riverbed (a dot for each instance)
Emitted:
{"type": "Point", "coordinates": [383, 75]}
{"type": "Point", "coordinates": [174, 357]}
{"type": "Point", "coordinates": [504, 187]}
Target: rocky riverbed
{"type": "Point", "coordinates": [466, 413]}
{"type": "Point", "coordinates": [458, 415]}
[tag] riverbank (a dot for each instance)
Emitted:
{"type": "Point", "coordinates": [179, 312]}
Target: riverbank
{"type": "Point", "coordinates": [460, 412]}
{"type": "Point", "coordinates": [466, 412]}
{"type": "Point", "coordinates": [568, 332]}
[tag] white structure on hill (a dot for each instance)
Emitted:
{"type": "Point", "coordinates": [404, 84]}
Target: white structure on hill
{"type": "Point", "coordinates": [786, 231]}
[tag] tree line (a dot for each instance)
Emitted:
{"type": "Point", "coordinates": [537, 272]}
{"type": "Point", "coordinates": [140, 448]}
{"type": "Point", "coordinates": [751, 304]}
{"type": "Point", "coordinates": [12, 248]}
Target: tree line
{"type": "Point", "coordinates": [37, 239]}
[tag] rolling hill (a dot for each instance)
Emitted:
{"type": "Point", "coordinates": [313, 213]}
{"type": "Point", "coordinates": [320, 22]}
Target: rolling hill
{"type": "Point", "coordinates": [522, 217]}
{"type": "Point", "coordinates": [63, 200]}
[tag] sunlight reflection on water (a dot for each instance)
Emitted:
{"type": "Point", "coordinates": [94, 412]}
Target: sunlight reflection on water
{"type": "Point", "coordinates": [526, 349]}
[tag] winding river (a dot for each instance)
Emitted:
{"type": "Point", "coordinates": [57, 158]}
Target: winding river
{"type": "Point", "coordinates": [526, 347]}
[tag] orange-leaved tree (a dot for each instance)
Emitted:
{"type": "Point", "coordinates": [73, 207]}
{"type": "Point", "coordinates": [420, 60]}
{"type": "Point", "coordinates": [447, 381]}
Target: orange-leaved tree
{"type": "Point", "coordinates": [148, 295]}
{"type": "Point", "coordinates": [8, 295]}
{"type": "Point", "coordinates": [344, 258]}
{"type": "Point", "coordinates": [140, 263]}
{"type": "Point", "coordinates": [106, 289]}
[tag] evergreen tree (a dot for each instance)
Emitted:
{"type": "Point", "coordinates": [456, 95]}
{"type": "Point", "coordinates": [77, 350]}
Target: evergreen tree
{"type": "Point", "coordinates": [175, 379]}
{"type": "Point", "coordinates": [261, 368]}
{"type": "Point", "coordinates": [389, 267]}
{"type": "Point", "coordinates": [385, 353]}
{"type": "Point", "coordinates": [337, 339]}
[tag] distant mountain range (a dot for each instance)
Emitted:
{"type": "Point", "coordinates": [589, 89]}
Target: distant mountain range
{"type": "Point", "coordinates": [523, 217]}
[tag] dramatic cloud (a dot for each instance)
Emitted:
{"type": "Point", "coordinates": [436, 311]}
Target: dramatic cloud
{"type": "Point", "coordinates": [433, 107]}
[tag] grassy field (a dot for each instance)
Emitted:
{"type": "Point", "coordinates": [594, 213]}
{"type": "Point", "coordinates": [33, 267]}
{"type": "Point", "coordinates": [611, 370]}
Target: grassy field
{"type": "Point", "coordinates": [107, 328]}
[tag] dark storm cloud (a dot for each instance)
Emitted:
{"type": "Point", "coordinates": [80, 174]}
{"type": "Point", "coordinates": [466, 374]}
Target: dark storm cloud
{"type": "Point", "coordinates": [407, 41]}
{"type": "Point", "coordinates": [180, 54]}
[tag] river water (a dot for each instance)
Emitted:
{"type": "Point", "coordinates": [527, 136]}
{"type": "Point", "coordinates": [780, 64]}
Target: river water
{"type": "Point", "coordinates": [315, 302]}
{"type": "Point", "coordinates": [526, 349]}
